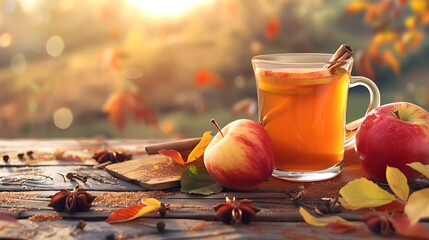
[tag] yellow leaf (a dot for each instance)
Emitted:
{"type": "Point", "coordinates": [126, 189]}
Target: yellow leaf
{"type": "Point", "coordinates": [362, 193]}
{"type": "Point", "coordinates": [397, 182]}
{"type": "Point", "coordinates": [390, 59]}
{"type": "Point", "coordinates": [151, 202]}
{"type": "Point", "coordinates": [420, 167]}
{"type": "Point", "coordinates": [346, 205]}
{"type": "Point", "coordinates": [356, 6]}
{"type": "Point", "coordinates": [321, 221]}
{"type": "Point", "coordinates": [198, 151]}
{"type": "Point", "coordinates": [418, 205]}
{"type": "Point", "coordinates": [418, 6]}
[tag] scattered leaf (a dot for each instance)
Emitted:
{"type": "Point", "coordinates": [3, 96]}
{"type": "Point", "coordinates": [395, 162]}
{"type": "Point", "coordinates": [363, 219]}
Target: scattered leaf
{"type": "Point", "coordinates": [174, 155]}
{"type": "Point", "coordinates": [134, 211]}
{"type": "Point", "coordinates": [394, 206]}
{"type": "Point", "coordinates": [417, 206]}
{"type": "Point", "coordinates": [198, 151]}
{"type": "Point", "coordinates": [420, 167]}
{"type": "Point", "coordinates": [340, 227]}
{"type": "Point", "coordinates": [321, 221]}
{"type": "Point", "coordinates": [404, 227]}
{"type": "Point", "coordinates": [363, 193]}
{"type": "Point", "coordinates": [397, 182]}
{"type": "Point", "coordinates": [272, 28]}
{"type": "Point", "coordinates": [196, 180]}
{"type": "Point", "coordinates": [205, 77]}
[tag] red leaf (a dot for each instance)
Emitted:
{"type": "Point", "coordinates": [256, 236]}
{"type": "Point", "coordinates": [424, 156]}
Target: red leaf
{"type": "Point", "coordinates": [7, 217]}
{"type": "Point", "coordinates": [272, 28]}
{"type": "Point", "coordinates": [404, 227]}
{"type": "Point", "coordinates": [394, 206]}
{"type": "Point", "coordinates": [174, 155]}
{"type": "Point", "coordinates": [340, 227]}
{"type": "Point", "coordinates": [120, 105]}
{"type": "Point", "coordinates": [205, 77]}
{"type": "Point", "coordinates": [124, 214]}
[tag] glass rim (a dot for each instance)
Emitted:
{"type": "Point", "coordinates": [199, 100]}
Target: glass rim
{"type": "Point", "coordinates": [269, 58]}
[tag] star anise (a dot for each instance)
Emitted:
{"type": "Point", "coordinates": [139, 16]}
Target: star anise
{"type": "Point", "coordinates": [232, 211]}
{"type": "Point", "coordinates": [77, 200]}
{"type": "Point", "coordinates": [115, 157]}
{"type": "Point", "coordinates": [378, 222]}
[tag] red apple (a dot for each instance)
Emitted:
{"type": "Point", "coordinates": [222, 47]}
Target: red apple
{"type": "Point", "coordinates": [393, 134]}
{"type": "Point", "coordinates": [241, 155]}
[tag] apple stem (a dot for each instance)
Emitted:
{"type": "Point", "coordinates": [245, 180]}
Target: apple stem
{"type": "Point", "coordinates": [396, 112]}
{"type": "Point", "coordinates": [217, 126]}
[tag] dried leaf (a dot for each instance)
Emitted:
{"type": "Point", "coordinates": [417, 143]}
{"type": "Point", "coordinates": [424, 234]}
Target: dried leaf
{"type": "Point", "coordinates": [404, 227]}
{"type": "Point", "coordinates": [394, 206]}
{"type": "Point", "coordinates": [356, 7]}
{"type": "Point", "coordinates": [340, 227]}
{"type": "Point", "coordinates": [390, 59]}
{"type": "Point", "coordinates": [420, 167]}
{"type": "Point", "coordinates": [321, 221]}
{"type": "Point", "coordinates": [272, 28]}
{"type": "Point", "coordinates": [132, 212]}
{"type": "Point", "coordinates": [362, 193]}
{"type": "Point", "coordinates": [417, 206]}
{"type": "Point", "coordinates": [174, 155]}
{"type": "Point", "coordinates": [198, 151]}
{"type": "Point", "coordinates": [205, 77]}
{"type": "Point", "coordinates": [196, 180]}
{"type": "Point", "coordinates": [397, 182]}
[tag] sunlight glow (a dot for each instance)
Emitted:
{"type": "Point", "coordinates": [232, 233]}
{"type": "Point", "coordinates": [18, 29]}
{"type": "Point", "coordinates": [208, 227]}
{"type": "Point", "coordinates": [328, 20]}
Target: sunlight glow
{"type": "Point", "coordinates": [166, 7]}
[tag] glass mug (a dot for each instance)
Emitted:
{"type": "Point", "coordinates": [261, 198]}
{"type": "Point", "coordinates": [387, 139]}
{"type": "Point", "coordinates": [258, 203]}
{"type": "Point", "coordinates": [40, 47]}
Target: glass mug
{"type": "Point", "coordinates": [302, 104]}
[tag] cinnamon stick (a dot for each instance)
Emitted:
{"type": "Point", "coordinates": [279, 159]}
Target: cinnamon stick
{"type": "Point", "coordinates": [184, 145]}
{"type": "Point", "coordinates": [343, 53]}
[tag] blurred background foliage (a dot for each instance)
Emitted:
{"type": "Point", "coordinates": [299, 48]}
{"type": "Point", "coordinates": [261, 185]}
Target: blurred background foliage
{"type": "Point", "coordinates": [162, 69]}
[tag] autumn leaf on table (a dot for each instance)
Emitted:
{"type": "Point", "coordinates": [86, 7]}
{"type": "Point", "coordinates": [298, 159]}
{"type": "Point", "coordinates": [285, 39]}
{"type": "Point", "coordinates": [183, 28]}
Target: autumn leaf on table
{"type": "Point", "coordinates": [363, 193]}
{"type": "Point", "coordinates": [404, 227]}
{"type": "Point", "coordinates": [134, 211]}
{"type": "Point", "coordinates": [334, 224]}
{"type": "Point", "coordinates": [195, 154]}
{"type": "Point", "coordinates": [196, 180]}
{"type": "Point", "coordinates": [122, 104]}
{"type": "Point", "coordinates": [417, 206]}
{"type": "Point", "coordinates": [420, 167]}
{"type": "Point", "coordinates": [398, 183]}
{"type": "Point", "coordinates": [204, 77]}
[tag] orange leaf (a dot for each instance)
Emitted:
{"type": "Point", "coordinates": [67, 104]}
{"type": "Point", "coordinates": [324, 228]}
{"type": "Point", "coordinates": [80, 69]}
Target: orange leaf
{"type": "Point", "coordinates": [390, 59]}
{"type": "Point", "coordinates": [198, 150]}
{"type": "Point", "coordinates": [394, 206]}
{"type": "Point", "coordinates": [340, 227]}
{"type": "Point", "coordinates": [174, 155]}
{"type": "Point", "coordinates": [205, 77]}
{"type": "Point", "coordinates": [400, 47]}
{"type": "Point", "coordinates": [120, 105]}
{"type": "Point", "coordinates": [404, 227]}
{"type": "Point", "coordinates": [272, 28]}
{"type": "Point", "coordinates": [134, 211]}
{"type": "Point", "coordinates": [356, 7]}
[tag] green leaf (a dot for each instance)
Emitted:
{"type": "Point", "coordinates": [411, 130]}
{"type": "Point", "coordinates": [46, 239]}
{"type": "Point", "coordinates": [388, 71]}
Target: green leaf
{"type": "Point", "coordinates": [196, 180]}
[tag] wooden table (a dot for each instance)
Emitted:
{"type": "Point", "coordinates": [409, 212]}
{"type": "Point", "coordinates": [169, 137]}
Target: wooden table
{"type": "Point", "coordinates": [191, 216]}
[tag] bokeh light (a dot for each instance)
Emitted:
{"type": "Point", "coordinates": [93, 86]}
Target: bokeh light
{"type": "Point", "coordinates": [55, 46]}
{"type": "Point", "coordinates": [63, 118]}
{"type": "Point", "coordinates": [422, 96]}
{"type": "Point", "coordinates": [18, 64]}
{"type": "Point", "coordinates": [5, 39]}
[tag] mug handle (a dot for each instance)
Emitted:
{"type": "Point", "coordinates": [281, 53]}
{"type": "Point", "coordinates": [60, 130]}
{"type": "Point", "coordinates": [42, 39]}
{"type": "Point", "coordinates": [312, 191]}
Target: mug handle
{"type": "Point", "coordinates": [374, 101]}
